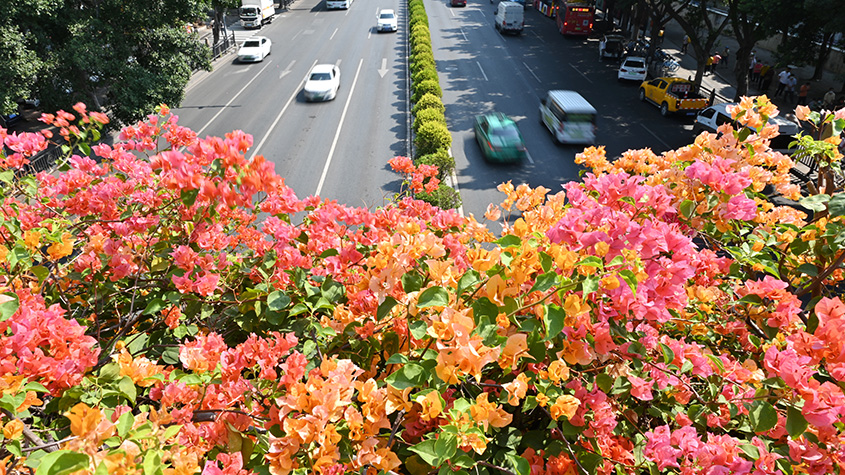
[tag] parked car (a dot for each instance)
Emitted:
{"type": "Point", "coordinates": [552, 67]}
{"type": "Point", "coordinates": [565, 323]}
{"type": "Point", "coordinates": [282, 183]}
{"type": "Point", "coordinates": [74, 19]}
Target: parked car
{"type": "Point", "coordinates": [386, 20]}
{"type": "Point", "coordinates": [611, 46]}
{"type": "Point", "coordinates": [458, 3]}
{"type": "Point", "coordinates": [709, 120]}
{"type": "Point", "coordinates": [323, 82]}
{"type": "Point", "coordinates": [633, 68]}
{"type": "Point", "coordinates": [673, 96]}
{"type": "Point", "coordinates": [499, 138]}
{"type": "Point", "coordinates": [254, 49]}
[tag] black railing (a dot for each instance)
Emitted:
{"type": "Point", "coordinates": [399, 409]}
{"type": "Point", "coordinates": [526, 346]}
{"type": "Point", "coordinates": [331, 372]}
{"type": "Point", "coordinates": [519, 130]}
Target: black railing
{"type": "Point", "coordinates": [222, 46]}
{"type": "Point", "coordinates": [41, 162]}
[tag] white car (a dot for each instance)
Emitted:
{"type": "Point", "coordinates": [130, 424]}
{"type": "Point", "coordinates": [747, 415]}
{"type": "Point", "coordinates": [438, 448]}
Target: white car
{"type": "Point", "coordinates": [254, 49]}
{"type": "Point", "coordinates": [712, 117]}
{"type": "Point", "coordinates": [323, 82]}
{"type": "Point", "coordinates": [386, 21]}
{"type": "Point", "coordinates": [633, 68]}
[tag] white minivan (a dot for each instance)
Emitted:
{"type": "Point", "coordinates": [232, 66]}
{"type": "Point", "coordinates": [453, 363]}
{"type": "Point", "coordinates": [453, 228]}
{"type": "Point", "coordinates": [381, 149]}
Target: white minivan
{"type": "Point", "coordinates": [569, 117]}
{"type": "Point", "coordinates": [510, 17]}
{"type": "Point", "coordinates": [338, 4]}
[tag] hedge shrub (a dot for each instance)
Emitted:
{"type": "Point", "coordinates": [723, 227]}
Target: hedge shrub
{"type": "Point", "coordinates": [432, 136]}
{"type": "Point", "coordinates": [421, 63]}
{"type": "Point", "coordinates": [428, 101]}
{"type": "Point", "coordinates": [444, 162]}
{"type": "Point", "coordinates": [427, 86]}
{"type": "Point", "coordinates": [444, 197]}
{"type": "Point", "coordinates": [425, 74]}
{"type": "Point", "coordinates": [428, 115]}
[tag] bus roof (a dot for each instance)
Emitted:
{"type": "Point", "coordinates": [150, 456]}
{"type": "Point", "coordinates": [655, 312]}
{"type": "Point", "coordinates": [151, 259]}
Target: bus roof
{"type": "Point", "coordinates": [571, 101]}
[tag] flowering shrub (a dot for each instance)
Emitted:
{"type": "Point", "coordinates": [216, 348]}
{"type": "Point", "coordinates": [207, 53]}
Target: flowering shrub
{"type": "Point", "coordinates": [171, 307]}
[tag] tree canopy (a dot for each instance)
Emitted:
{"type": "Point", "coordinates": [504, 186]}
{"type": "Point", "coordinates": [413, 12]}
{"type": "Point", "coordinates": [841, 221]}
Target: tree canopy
{"type": "Point", "coordinates": [133, 54]}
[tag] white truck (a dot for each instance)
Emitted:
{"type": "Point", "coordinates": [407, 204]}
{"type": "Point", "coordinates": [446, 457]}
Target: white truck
{"type": "Point", "coordinates": [255, 13]}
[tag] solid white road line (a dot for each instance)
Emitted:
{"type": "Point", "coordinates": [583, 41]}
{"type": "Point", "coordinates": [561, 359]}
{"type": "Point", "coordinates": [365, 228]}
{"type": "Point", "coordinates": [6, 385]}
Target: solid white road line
{"type": "Point", "coordinates": [453, 177]}
{"type": "Point", "coordinates": [278, 117]}
{"type": "Point", "coordinates": [582, 74]}
{"type": "Point", "coordinates": [528, 156]}
{"type": "Point", "coordinates": [532, 72]}
{"type": "Point", "coordinates": [339, 128]}
{"type": "Point", "coordinates": [463, 34]}
{"type": "Point", "coordinates": [333, 33]}
{"type": "Point", "coordinates": [200, 131]}
{"type": "Point", "coordinates": [655, 136]}
{"type": "Point", "coordinates": [482, 70]}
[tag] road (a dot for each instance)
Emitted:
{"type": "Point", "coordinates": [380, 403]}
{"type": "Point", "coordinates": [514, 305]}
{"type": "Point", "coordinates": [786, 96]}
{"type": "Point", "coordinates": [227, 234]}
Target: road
{"type": "Point", "coordinates": [483, 71]}
{"type": "Point", "coordinates": [340, 149]}
{"type": "Point", "coordinates": [337, 149]}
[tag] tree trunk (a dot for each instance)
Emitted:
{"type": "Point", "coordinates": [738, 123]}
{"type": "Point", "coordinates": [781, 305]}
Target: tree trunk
{"type": "Point", "coordinates": [218, 19]}
{"type": "Point", "coordinates": [741, 65]}
{"type": "Point", "coordinates": [824, 53]}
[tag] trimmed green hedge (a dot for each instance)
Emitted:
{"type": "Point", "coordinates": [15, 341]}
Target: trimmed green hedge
{"type": "Point", "coordinates": [427, 87]}
{"type": "Point", "coordinates": [428, 101]}
{"type": "Point", "coordinates": [444, 197]}
{"type": "Point", "coordinates": [428, 115]}
{"type": "Point", "coordinates": [431, 137]}
{"type": "Point", "coordinates": [441, 159]}
{"type": "Point", "coordinates": [425, 74]}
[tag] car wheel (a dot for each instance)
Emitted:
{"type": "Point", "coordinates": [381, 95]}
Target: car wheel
{"type": "Point", "coordinates": [664, 109]}
{"type": "Point", "coordinates": [642, 95]}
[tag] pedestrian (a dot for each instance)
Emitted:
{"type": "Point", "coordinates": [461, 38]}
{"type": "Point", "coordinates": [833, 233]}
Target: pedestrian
{"type": "Point", "coordinates": [716, 59]}
{"type": "Point", "coordinates": [789, 93]}
{"type": "Point", "coordinates": [783, 78]}
{"type": "Point", "coordinates": [757, 73]}
{"type": "Point", "coordinates": [766, 80]}
{"type": "Point", "coordinates": [685, 44]}
{"type": "Point", "coordinates": [829, 98]}
{"type": "Point", "coordinates": [752, 64]}
{"type": "Point", "coordinates": [725, 55]}
{"type": "Point", "coordinates": [802, 94]}
{"type": "Point", "coordinates": [708, 64]}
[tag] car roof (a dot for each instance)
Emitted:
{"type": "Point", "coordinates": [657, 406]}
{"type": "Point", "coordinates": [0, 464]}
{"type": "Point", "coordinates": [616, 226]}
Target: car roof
{"type": "Point", "coordinates": [387, 10]}
{"type": "Point", "coordinates": [572, 101]}
{"type": "Point", "coordinates": [322, 68]}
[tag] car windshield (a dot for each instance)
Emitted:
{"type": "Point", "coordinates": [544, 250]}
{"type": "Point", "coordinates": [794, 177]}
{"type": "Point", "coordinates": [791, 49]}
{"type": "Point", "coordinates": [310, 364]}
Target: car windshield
{"type": "Point", "coordinates": [320, 76]}
{"type": "Point", "coordinates": [635, 64]}
{"type": "Point", "coordinates": [507, 132]}
{"type": "Point", "coordinates": [386, 16]}
{"type": "Point", "coordinates": [251, 44]}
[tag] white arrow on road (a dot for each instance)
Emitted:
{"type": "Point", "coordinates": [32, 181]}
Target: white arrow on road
{"type": "Point", "coordinates": [383, 70]}
{"type": "Point", "coordinates": [287, 70]}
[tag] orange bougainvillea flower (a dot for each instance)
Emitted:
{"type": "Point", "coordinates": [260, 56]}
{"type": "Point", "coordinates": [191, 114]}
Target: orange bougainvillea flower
{"type": "Point", "coordinates": [62, 249]}
{"type": "Point", "coordinates": [566, 406]}
{"type": "Point", "coordinates": [13, 429]}
{"type": "Point", "coordinates": [515, 348]}
{"type": "Point", "coordinates": [558, 371]}
{"type": "Point", "coordinates": [516, 389]}
{"type": "Point", "coordinates": [432, 406]}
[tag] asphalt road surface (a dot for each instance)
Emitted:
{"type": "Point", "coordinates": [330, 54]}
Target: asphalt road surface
{"type": "Point", "coordinates": [339, 149]}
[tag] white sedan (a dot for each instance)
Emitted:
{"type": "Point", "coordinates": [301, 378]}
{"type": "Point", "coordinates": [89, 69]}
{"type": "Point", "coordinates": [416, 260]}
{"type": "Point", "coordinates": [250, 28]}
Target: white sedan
{"type": "Point", "coordinates": [323, 82]}
{"type": "Point", "coordinates": [254, 49]}
{"type": "Point", "coordinates": [386, 21]}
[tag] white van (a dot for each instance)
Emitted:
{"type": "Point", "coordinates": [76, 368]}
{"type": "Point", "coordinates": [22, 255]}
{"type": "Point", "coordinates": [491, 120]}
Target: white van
{"type": "Point", "coordinates": [569, 117]}
{"type": "Point", "coordinates": [510, 17]}
{"type": "Point", "coordinates": [338, 4]}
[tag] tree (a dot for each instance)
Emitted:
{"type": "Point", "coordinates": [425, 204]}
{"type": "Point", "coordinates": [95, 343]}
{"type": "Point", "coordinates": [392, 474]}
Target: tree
{"type": "Point", "coordinates": [135, 54]}
{"type": "Point", "coordinates": [702, 27]}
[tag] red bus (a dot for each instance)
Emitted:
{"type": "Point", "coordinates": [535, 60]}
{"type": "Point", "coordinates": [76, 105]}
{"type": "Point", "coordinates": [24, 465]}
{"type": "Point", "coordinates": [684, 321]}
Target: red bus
{"type": "Point", "coordinates": [574, 17]}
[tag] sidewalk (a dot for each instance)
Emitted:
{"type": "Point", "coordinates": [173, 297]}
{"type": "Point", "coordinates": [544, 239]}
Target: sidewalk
{"type": "Point", "coordinates": [724, 80]}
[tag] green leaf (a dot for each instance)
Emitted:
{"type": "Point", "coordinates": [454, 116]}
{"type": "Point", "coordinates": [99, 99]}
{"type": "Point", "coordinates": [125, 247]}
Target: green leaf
{"type": "Point", "coordinates": [796, 424]}
{"type": "Point", "coordinates": [41, 272]}
{"type": "Point", "coordinates": [544, 282]}
{"type": "Point", "coordinates": [409, 376]}
{"type": "Point", "coordinates": [189, 197]}
{"type": "Point", "coordinates": [520, 465]}
{"type": "Point", "coordinates": [6, 176]}
{"type": "Point", "coordinates": [717, 362]}
{"type": "Point", "coordinates": [751, 451]}
{"type": "Point", "coordinates": [463, 460]}
{"type": "Point", "coordinates": [668, 354]}
{"type": "Point", "coordinates": [553, 319]}
{"type": "Point", "coordinates": [426, 451]}
{"type": "Point", "coordinates": [446, 445]}
{"type": "Point", "coordinates": [815, 202]}
{"type": "Point", "coordinates": [592, 261]}
{"type": "Point", "coordinates": [277, 301]}
{"type": "Point", "coordinates": [687, 208]}
{"type": "Point", "coordinates": [418, 329]}
{"type": "Point", "coordinates": [836, 206]}
{"type": "Point", "coordinates": [9, 307]}
{"type": "Point", "coordinates": [155, 306]}
{"type": "Point", "coordinates": [385, 307]}
{"type": "Point", "coordinates": [433, 297]}
{"type": "Point", "coordinates": [808, 269]}
{"type": "Point", "coordinates": [125, 423]}
{"type": "Point", "coordinates": [590, 461]}
{"type": "Point", "coordinates": [127, 387]}
{"type": "Point", "coordinates": [604, 382]}
{"type": "Point", "coordinates": [630, 278]}
{"type": "Point", "coordinates": [412, 282]}
{"type": "Point", "coordinates": [636, 348]}
{"type": "Point", "coordinates": [35, 386]}
{"type": "Point", "coordinates": [110, 372]}
{"type": "Point", "coordinates": [509, 241]}
{"type": "Point", "coordinates": [397, 358]}
{"type": "Point", "coordinates": [590, 284]}
{"type": "Point", "coordinates": [152, 463]}
{"type": "Point", "coordinates": [61, 462]}
{"type": "Point", "coordinates": [763, 416]}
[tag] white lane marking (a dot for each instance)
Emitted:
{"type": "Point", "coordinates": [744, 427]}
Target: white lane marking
{"type": "Point", "coordinates": [528, 156]}
{"type": "Point", "coordinates": [287, 69]}
{"type": "Point", "coordinates": [463, 34]}
{"type": "Point", "coordinates": [582, 74]}
{"type": "Point", "coordinates": [482, 71]}
{"type": "Point", "coordinates": [242, 70]}
{"type": "Point", "coordinates": [532, 72]}
{"type": "Point", "coordinates": [538, 36]}
{"type": "Point", "coordinates": [451, 10]}
{"type": "Point", "coordinates": [655, 136]}
{"type": "Point", "coordinates": [296, 34]}
{"type": "Point", "coordinates": [383, 70]}
{"type": "Point", "coordinates": [279, 117]}
{"type": "Point", "coordinates": [199, 132]}
{"type": "Point", "coordinates": [338, 63]}
{"type": "Point", "coordinates": [339, 128]}
{"type": "Point", "coordinates": [333, 33]}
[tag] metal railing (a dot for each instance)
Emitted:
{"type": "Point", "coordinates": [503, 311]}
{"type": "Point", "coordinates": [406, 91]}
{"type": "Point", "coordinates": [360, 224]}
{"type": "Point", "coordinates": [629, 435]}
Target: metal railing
{"type": "Point", "coordinates": [222, 46]}
{"type": "Point", "coordinates": [42, 162]}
